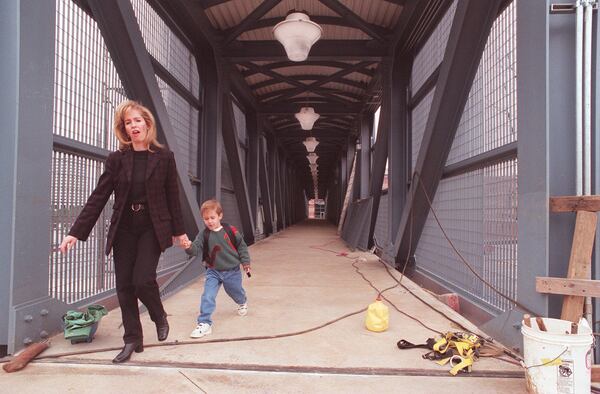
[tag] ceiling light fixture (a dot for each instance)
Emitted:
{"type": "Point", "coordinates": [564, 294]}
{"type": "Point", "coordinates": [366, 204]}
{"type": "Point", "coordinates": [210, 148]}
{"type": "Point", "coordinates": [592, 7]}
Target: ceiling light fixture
{"type": "Point", "coordinates": [307, 117]}
{"type": "Point", "coordinates": [310, 143]}
{"type": "Point", "coordinates": [297, 33]}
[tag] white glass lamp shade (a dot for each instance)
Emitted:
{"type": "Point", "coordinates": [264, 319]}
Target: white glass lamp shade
{"type": "Point", "coordinates": [297, 33]}
{"type": "Point", "coordinates": [312, 158]}
{"type": "Point", "coordinates": [311, 144]}
{"type": "Point", "coordinates": [307, 117]}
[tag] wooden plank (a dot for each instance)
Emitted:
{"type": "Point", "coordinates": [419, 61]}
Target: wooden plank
{"type": "Point", "coordinates": [580, 262]}
{"type": "Point", "coordinates": [575, 203]}
{"type": "Point", "coordinates": [595, 373]}
{"type": "Point", "coordinates": [573, 287]}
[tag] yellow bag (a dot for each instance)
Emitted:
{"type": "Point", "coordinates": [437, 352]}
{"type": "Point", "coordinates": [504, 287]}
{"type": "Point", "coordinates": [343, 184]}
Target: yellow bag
{"type": "Point", "coordinates": [378, 316]}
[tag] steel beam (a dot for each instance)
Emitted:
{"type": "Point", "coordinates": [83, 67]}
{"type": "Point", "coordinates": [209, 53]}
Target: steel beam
{"type": "Point", "coordinates": [363, 50]}
{"type": "Point", "coordinates": [265, 190]}
{"type": "Point", "coordinates": [252, 161]}
{"type": "Point", "coordinates": [398, 167]}
{"type": "Point", "coordinates": [27, 39]}
{"type": "Point", "coordinates": [354, 19]}
{"type": "Point", "coordinates": [471, 26]}
{"type": "Point", "coordinates": [380, 154]}
{"type": "Point", "coordinates": [211, 119]}
{"type": "Point", "coordinates": [256, 14]}
{"type": "Point", "coordinates": [117, 21]}
{"type": "Point", "coordinates": [238, 175]}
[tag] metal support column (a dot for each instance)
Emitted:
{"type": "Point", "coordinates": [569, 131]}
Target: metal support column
{"type": "Point", "coordinates": [238, 176]}
{"type": "Point", "coordinates": [252, 161]}
{"type": "Point", "coordinates": [265, 190]}
{"type": "Point", "coordinates": [380, 154]}
{"type": "Point", "coordinates": [398, 141]}
{"type": "Point", "coordinates": [27, 34]}
{"type": "Point", "coordinates": [212, 124]}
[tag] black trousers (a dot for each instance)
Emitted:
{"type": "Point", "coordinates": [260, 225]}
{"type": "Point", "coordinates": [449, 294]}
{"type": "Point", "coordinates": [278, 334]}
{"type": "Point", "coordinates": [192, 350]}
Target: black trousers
{"type": "Point", "coordinates": [136, 252]}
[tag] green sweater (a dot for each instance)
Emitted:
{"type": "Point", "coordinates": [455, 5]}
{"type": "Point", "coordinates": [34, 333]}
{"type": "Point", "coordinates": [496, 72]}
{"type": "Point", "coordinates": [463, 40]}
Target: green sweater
{"type": "Point", "coordinates": [222, 255]}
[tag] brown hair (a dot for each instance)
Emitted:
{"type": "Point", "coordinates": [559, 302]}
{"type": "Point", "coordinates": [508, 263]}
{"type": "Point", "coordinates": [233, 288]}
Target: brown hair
{"type": "Point", "coordinates": [119, 125]}
{"type": "Point", "coordinates": [211, 205]}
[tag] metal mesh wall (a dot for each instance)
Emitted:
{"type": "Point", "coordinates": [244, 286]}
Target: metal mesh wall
{"type": "Point", "coordinates": [85, 271]}
{"type": "Point", "coordinates": [432, 53]}
{"type": "Point", "coordinates": [479, 209]}
{"type": "Point", "coordinates": [381, 226]}
{"type": "Point", "coordinates": [184, 119]}
{"type": "Point", "coordinates": [489, 120]}
{"type": "Point", "coordinates": [86, 92]}
{"type": "Point", "coordinates": [87, 88]}
{"type": "Point", "coordinates": [166, 47]}
{"type": "Point", "coordinates": [419, 121]}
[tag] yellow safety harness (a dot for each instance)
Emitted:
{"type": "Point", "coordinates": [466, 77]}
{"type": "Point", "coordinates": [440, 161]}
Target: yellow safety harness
{"type": "Point", "coordinates": [459, 349]}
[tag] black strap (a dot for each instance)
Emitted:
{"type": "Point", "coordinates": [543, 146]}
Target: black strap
{"type": "Point", "coordinates": [404, 344]}
{"type": "Point", "coordinates": [230, 234]}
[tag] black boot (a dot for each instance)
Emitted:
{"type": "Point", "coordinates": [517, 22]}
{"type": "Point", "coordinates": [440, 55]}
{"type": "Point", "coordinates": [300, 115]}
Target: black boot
{"type": "Point", "coordinates": [128, 349]}
{"type": "Point", "coordinates": [162, 329]}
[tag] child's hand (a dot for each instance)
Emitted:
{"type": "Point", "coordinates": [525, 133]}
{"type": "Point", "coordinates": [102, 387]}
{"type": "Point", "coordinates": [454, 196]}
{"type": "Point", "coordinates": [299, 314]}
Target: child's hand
{"type": "Point", "coordinates": [247, 270]}
{"type": "Point", "coordinates": [186, 244]}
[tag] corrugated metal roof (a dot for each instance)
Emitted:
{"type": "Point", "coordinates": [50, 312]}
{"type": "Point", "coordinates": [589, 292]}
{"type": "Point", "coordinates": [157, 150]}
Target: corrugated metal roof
{"type": "Point", "coordinates": [377, 12]}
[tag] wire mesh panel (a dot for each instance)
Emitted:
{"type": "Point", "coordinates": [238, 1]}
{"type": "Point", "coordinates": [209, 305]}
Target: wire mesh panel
{"type": "Point", "coordinates": [381, 225]}
{"type": "Point", "coordinates": [489, 120]}
{"type": "Point", "coordinates": [184, 119]}
{"type": "Point", "coordinates": [432, 52]}
{"type": "Point", "coordinates": [478, 209]}
{"type": "Point", "coordinates": [419, 120]}
{"type": "Point", "coordinates": [85, 271]}
{"type": "Point", "coordinates": [87, 88]}
{"type": "Point", "coordinates": [86, 92]}
{"type": "Point", "coordinates": [166, 47]}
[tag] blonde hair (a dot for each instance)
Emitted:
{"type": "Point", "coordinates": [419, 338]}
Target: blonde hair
{"type": "Point", "coordinates": [119, 125]}
{"type": "Point", "coordinates": [211, 205]}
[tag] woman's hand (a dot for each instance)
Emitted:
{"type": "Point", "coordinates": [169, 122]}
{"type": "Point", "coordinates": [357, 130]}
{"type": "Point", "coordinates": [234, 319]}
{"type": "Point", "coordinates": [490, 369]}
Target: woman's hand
{"type": "Point", "coordinates": [67, 243]}
{"type": "Point", "coordinates": [182, 240]}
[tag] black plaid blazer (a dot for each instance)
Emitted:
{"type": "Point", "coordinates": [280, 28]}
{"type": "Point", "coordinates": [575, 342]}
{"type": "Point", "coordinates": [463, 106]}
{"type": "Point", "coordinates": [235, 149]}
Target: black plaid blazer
{"type": "Point", "coordinates": [162, 193]}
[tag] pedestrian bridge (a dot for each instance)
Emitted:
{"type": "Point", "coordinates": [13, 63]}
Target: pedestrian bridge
{"type": "Point", "coordinates": [304, 332]}
{"type": "Point", "coordinates": [439, 130]}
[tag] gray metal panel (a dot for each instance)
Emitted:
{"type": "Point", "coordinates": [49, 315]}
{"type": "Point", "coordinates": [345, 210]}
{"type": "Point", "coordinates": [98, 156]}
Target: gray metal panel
{"type": "Point", "coordinates": [231, 213]}
{"type": "Point", "coordinates": [9, 77]}
{"type": "Point", "coordinates": [28, 32]}
{"type": "Point", "coordinates": [381, 226]}
{"type": "Point", "coordinates": [596, 160]}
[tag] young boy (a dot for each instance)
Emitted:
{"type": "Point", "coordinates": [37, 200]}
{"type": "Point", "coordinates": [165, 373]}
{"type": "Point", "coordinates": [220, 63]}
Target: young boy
{"type": "Point", "coordinates": [223, 257]}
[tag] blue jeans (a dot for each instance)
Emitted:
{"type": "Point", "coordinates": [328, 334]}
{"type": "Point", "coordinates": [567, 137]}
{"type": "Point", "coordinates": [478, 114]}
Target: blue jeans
{"type": "Point", "coordinates": [232, 282]}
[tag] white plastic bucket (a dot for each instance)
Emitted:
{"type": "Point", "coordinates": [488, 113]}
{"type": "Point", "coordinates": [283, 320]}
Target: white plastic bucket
{"type": "Point", "coordinates": [557, 361]}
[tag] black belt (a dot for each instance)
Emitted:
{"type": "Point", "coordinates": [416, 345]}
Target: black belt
{"type": "Point", "coordinates": [136, 207]}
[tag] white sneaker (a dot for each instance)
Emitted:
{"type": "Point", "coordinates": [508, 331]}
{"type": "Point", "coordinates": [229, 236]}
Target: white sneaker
{"type": "Point", "coordinates": [242, 309]}
{"type": "Point", "coordinates": [201, 330]}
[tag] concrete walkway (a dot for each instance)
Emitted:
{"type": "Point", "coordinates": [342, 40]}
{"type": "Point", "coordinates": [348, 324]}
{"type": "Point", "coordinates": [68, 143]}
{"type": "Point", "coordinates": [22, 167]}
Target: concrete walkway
{"type": "Point", "coordinates": [299, 282]}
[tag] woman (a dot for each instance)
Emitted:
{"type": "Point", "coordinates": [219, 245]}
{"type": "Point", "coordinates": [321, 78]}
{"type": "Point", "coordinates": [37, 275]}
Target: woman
{"type": "Point", "coordinates": [146, 219]}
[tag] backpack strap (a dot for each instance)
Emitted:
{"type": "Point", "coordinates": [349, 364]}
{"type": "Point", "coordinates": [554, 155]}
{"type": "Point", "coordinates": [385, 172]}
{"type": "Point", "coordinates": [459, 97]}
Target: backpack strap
{"type": "Point", "coordinates": [205, 235]}
{"type": "Point", "coordinates": [231, 231]}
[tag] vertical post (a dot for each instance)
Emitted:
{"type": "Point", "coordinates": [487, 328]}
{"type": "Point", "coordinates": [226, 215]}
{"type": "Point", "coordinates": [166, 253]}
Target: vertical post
{"type": "Point", "coordinates": [380, 154]}
{"type": "Point", "coordinates": [252, 161]}
{"type": "Point", "coordinates": [27, 96]}
{"type": "Point", "coordinates": [397, 153]}
{"type": "Point", "coordinates": [366, 126]}
{"type": "Point", "coordinates": [212, 124]}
